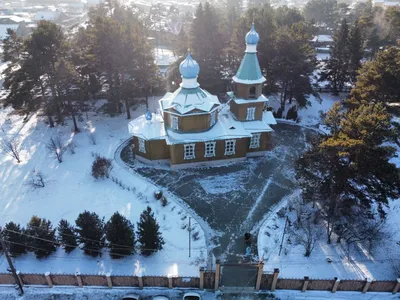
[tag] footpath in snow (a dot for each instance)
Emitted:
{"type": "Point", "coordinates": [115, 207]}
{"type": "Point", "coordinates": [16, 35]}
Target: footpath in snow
{"type": "Point", "coordinates": [71, 189]}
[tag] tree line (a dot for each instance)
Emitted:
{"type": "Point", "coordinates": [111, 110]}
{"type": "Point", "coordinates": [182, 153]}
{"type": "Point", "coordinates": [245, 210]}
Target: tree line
{"type": "Point", "coordinates": [90, 233]}
{"type": "Point", "coordinates": [57, 72]}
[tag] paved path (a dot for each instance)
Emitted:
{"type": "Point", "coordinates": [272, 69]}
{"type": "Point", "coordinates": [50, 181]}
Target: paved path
{"type": "Point", "coordinates": [235, 198]}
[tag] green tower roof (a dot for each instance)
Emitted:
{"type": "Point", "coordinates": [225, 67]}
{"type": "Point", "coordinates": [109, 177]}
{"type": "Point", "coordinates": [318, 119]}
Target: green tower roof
{"type": "Point", "coordinates": [249, 71]}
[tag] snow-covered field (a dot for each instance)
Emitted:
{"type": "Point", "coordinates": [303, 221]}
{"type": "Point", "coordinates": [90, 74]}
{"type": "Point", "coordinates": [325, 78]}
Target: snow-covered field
{"type": "Point", "coordinates": [71, 190]}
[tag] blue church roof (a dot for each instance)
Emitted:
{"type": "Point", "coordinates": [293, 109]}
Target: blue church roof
{"type": "Point", "coordinates": [249, 70]}
{"type": "Point", "coordinates": [189, 68]}
{"type": "Point", "coordinates": [252, 36]}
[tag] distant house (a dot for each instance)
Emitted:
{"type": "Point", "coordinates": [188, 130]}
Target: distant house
{"type": "Point", "coordinates": [19, 24]}
{"type": "Point", "coordinates": [94, 2]}
{"type": "Point", "coordinates": [386, 3]}
{"type": "Point", "coordinates": [55, 16]}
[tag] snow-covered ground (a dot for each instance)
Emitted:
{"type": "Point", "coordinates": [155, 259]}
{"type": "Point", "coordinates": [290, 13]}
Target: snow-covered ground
{"type": "Point", "coordinates": [71, 190]}
{"type": "Point", "coordinates": [117, 294]}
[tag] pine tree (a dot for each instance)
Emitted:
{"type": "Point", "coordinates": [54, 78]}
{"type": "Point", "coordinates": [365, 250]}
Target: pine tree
{"type": "Point", "coordinates": [120, 235]}
{"type": "Point", "coordinates": [15, 237]}
{"type": "Point", "coordinates": [336, 70]}
{"type": "Point", "coordinates": [148, 232]}
{"type": "Point", "coordinates": [12, 47]}
{"type": "Point", "coordinates": [348, 171]}
{"type": "Point", "coordinates": [378, 79]}
{"type": "Point", "coordinates": [90, 229]}
{"type": "Point", "coordinates": [356, 51]}
{"type": "Point", "coordinates": [67, 236]}
{"type": "Point", "coordinates": [42, 237]}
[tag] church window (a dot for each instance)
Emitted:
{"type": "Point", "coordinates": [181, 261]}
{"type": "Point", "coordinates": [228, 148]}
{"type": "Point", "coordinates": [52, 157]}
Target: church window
{"type": "Point", "coordinates": [252, 92]}
{"type": "Point", "coordinates": [255, 141]}
{"type": "Point", "coordinates": [189, 151]}
{"type": "Point", "coordinates": [142, 145]}
{"type": "Point", "coordinates": [251, 112]}
{"type": "Point", "coordinates": [174, 122]}
{"type": "Point", "coordinates": [213, 118]}
{"type": "Point", "coordinates": [230, 147]}
{"type": "Point", "coordinates": [209, 149]}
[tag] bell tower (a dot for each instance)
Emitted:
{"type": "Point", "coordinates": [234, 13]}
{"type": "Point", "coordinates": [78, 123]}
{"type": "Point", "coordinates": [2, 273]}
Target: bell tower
{"type": "Point", "coordinates": [247, 100]}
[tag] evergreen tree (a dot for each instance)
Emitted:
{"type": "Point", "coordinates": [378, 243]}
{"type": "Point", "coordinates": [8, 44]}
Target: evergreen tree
{"type": "Point", "coordinates": [90, 229]}
{"type": "Point", "coordinates": [42, 237]}
{"type": "Point", "coordinates": [121, 236]}
{"type": "Point", "coordinates": [293, 65]}
{"type": "Point", "coordinates": [148, 232]}
{"type": "Point", "coordinates": [15, 237]}
{"type": "Point", "coordinates": [322, 12]}
{"type": "Point", "coordinates": [67, 236]}
{"type": "Point", "coordinates": [207, 44]}
{"type": "Point", "coordinates": [378, 80]}
{"type": "Point", "coordinates": [356, 51]}
{"type": "Point", "coordinates": [348, 171]}
{"type": "Point", "coordinates": [336, 70]}
{"type": "Point", "coordinates": [12, 47]}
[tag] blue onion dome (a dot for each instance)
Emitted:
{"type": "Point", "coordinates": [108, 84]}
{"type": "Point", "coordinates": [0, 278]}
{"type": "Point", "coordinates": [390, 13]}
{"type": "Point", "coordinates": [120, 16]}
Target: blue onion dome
{"type": "Point", "coordinates": [189, 68]}
{"type": "Point", "coordinates": [148, 115]}
{"type": "Point", "coordinates": [252, 36]}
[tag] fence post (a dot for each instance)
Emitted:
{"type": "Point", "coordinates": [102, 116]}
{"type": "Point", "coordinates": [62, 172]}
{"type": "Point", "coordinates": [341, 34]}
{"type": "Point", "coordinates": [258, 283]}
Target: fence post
{"type": "Point", "coordinates": [109, 282]}
{"type": "Point", "coordinates": [79, 279]}
{"type": "Point", "coordinates": [140, 278]}
{"type": "Point", "coordinates": [20, 279]}
{"type": "Point", "coordinates": [335, 285]}
{"type": "Point", "coordinates": [201, 286]}
{"type": "Point", "coordinates": [217, 274]}
{"type": "Point", "coordinates": [396, 287]}
{"type": "Point", "coordinates": [259, 275]}
{"type": "Point", "coordinates": [305, 284]}
{"type": "Point", "coordinates": [274, 280]}
{"type": "Point", "coordinates": [366, 286]}
{"type": "Point", "coordinates": [48, 279]}
{"type": "Point", "coordinates": [170, 282]}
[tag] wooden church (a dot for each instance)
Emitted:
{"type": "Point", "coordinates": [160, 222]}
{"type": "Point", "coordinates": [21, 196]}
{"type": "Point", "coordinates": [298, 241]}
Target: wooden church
{"type": "Point", "coordinates": [195, 129]}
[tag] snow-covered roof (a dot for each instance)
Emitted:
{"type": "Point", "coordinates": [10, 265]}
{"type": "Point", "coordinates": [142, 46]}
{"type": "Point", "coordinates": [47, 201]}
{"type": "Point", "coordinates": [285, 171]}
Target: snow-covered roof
{"type": "Point", "coordinates": [47, 15]}
{"type": "Point", "coordinates": [260, 99]}
{"type": "Point", "coordinates": [13, 19]}
{"type": "Point", "coordinates": [322, 38]}
{"type": "Point", "coordinates": [153, 130]}
{"type": "Point", "coordinates": [227, 127]}
{"type": "Point", "coordinates": [185, 100]}
{"type": "Point", "coordinates": [249, 71]}
{"type": "Point", "coordinates": [261, 125]}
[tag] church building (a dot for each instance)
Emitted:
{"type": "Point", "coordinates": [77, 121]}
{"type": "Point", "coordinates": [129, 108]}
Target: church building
{"type": "Point", "coordinates": [193, 128]}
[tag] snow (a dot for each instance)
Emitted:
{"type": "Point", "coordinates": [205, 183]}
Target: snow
{"type": "Point", "coordinates": [32, 293]}
{"type": "Point", "coordinates": [71, 190]}
{"type": "Point", "coordinates": [322, 38]}
{"type": "Point", "coordinates": [164, 56]}
{"type": "Point", "coordinates": [153, 130]}
{"type": "Point", "coordinates": [244, 81]}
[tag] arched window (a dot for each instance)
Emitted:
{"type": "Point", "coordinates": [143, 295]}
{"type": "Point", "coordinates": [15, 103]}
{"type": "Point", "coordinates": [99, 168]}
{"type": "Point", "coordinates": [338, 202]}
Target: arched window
{"type": "Point", "coordinates": [252, 92]}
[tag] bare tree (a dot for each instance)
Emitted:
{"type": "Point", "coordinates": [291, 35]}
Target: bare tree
{"type": "Point", "coordinates": [56, 146]}
{"type": "Point", "coordinates": [11, 146]}
{"type": "Point", "coordinates": [37, 180]}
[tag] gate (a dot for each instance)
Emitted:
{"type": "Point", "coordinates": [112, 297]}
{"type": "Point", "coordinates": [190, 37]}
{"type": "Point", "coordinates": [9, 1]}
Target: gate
{"type": "Point", "coordinates": [239, 275]}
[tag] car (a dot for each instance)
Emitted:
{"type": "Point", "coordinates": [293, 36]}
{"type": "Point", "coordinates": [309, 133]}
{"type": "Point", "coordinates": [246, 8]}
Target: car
{"type": "Point", "coordinates": [131, 297]}
{"type": "Point", "coordinates": [160, 298]}
{"type": "Point", "coordinates": [191, 296]}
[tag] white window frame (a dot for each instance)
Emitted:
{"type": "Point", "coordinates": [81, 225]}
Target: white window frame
{"type": "Point", "coordinates": [209, 149]}
{"type": "Point", "coordinates": [142, 145]}
{"type": "Point", "coordinates": [174, 122]}
{"type": "Point", "coordinates": [189, 151]}
{"type": "Point", "coordinates": [213, 118]}
{"type": "Point", "coordinates": [230, 147]}
{"type": "Point", "coordinates": [255, 141]}
{"type": "Point", "coordinates": [251, 114]}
